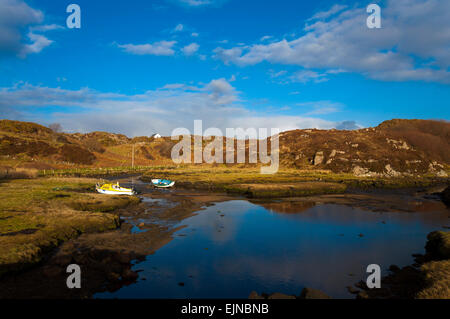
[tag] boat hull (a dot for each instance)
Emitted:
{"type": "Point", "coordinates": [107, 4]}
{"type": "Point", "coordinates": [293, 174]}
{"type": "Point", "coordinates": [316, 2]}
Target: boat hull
{"type": "Point", "coordinates": [107, 192]}
{"type": "Point", "coordinates": [156, 183]}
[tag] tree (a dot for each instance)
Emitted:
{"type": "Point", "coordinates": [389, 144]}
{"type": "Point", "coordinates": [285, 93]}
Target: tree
{"type": "Point", "coordinates": [56, 127]}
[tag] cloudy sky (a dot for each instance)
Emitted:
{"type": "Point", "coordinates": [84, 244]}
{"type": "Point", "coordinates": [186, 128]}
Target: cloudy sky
{"type": "Point", "coordinates": [140, 67]}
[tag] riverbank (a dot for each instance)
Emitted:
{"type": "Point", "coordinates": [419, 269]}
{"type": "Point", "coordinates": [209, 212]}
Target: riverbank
{"type": "Point", "coordinates": [50, 223]}
{"type": "Point", "coordinates": [286, 183]}
{"type": "Point", "coordinates": [427, 278]}
{"type": "Point", "coordinates": [105, 254]}
{"type": "Point", "coordinates": [37, 215]}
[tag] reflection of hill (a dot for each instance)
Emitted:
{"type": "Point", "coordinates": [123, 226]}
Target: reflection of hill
{"type": "Point", "coordinates": [287, 207]}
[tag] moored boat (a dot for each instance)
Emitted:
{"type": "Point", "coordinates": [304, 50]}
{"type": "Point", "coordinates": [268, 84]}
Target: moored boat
{"type": "Point", "coordinates": [114, 189]}
{"type": "Point", "coordinates": [162, 183]}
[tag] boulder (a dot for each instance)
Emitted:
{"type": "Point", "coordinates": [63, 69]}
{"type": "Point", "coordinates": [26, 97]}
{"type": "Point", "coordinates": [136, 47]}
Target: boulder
{"type": "Point", "coordinates": [278, 295]}
{"type": "Point", "coordinates": [446, 196]}
{"type": "Point", "coordinates": [310, 293]}
{"type": "Point", "coordinates": [254, 295]}
{"type": "Point", "coordinates": [318, 158]}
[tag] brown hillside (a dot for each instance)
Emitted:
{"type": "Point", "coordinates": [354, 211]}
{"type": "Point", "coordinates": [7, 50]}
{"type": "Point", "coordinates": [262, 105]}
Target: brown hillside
{"type": "Point", "coordinates": [394, 148]}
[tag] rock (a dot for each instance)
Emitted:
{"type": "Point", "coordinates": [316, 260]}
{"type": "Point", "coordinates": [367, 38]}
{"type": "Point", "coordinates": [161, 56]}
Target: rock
{"type": "Point", "coordinates": [181, 284]}
{"type": "Point", "coordinates": [360, 171]}
{"type": "Point", "coordinates": [51, 271]}
{"type": "Point", "coordinates": [278, 295]}
{"type": "Point", "coordinates": [62, 260]}
{"type": "Point", "coordinates": [123, 258]}
{"type": "Point", "coordinates": [310, 293]}
{"type": "Point", "coordinates": [394, 268]}
{"type": "Point", "coordinates": [362, 295]}
{"type": "Point", "coordinates": [318, 158]}
{"type": "Point", "coordinates": [81, 259]}
{"type": "Point", "coordinates": [254, 295]}
{"type": "Point", "coordinates": [361, 235]}
{"type": "Point", "coordinates": [113, 277]}
{"type": "Point", "coordinates": [441, 173]}
{"type": "Point", "coordinates": [130, 275]}
{"type": "Point", "coordinates": [446, 196]}
{"type": "Point", "coordinates": [391, 172]}
{"type": "Point", "coordinates": [352, 290]}
{"type": "Point", "coordinates": [361, 285]}
{"type": "Point", "coordinates": [333, 153]}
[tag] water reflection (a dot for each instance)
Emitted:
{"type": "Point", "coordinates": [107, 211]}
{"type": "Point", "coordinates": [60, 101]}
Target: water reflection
{"type": "Point", "coordinates": [235, 247]}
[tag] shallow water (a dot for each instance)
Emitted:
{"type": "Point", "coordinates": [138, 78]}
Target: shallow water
{"type": "Point", "coordinates": [252, 247]}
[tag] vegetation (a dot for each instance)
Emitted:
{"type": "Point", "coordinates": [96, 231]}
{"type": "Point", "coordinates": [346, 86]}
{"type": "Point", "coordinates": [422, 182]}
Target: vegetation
{"type": "Point", "coordinates": [437, 272]}
{"type": "Point", "coordinates": [396, 148]}
{"type": "Point", "coordinates": [37, 215]}
{"type": "Point", "coordinates": [287, 182]}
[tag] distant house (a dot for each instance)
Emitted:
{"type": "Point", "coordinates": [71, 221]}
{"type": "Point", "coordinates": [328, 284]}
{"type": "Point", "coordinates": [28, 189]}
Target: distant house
{"type": "Point", "coordinates": [155, 136]}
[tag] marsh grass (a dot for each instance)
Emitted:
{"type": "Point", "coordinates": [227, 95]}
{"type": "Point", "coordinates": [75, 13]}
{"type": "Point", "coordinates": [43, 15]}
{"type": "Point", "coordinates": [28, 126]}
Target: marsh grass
{"type": "Point", "coordinates": [437, 272]}
{"type": "Point", "coordinates": [37, 215]}
{"type": "Point", "coordinates": [288, 182]}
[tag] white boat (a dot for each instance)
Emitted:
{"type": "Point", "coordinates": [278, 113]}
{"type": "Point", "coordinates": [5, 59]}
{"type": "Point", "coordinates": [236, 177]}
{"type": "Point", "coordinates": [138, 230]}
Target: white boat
{"type": "Point", "coordinates": [162, 183]}
{"type": "Point", "coordinates": [114, 189]}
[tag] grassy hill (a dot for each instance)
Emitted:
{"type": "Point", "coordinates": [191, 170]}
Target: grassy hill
{"type": "Point", "coordinates": [394, 148]}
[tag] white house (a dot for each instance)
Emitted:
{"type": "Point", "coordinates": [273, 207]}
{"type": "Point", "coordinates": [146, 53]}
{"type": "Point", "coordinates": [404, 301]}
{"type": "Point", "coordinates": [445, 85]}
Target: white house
{"type": "Point", "coordinates": [155, 136]}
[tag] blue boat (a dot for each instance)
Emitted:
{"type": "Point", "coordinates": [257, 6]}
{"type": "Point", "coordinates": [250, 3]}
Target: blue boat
{"type": "Point", "coordinates": [162, 183]}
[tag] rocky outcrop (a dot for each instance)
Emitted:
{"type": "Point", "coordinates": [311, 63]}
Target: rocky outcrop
{"type": "Point", "coordinates": [310, 293]}
{"type": "Point", "coordinates": [307, 293]}
{"type": "Point", "coordinates": [318, 158]}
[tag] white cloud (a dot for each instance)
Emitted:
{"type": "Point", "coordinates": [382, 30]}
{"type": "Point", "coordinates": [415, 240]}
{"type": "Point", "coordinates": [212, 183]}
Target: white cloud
{"type": "Point", "coordinates": [38, 43]}
{"type": "Point", "coordinates": [266, 37]}
{"type": "Point", "coordinates": [161, 48]}
{"type": "Point", "coordinates": [306, 76]}
{"type": "Point", "coordinates": [199, 3]}
{"type": "Point", "coordinates": [46, 27]}
{"type": "Point", "coordinates": [16, 16]}
{"type": "Point", "coordinates": [321, 107]}
{"type": "Point", "coordinates": [178, 28]}
{"type": "Point", "coordinates": [217, 103]}
{"type": "Point", "coordinates": [190, 49]}
{"type": "Point", "coordinates": [274, 74]}
{"type": "Point", "coordinates": [414, 43]}
{"type": "Point", "coordinates": [194, 34]}
{"type": "Point", "coordinates": [326, 14]}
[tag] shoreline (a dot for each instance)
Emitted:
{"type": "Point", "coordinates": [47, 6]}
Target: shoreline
{"type": "Point", "coordinates": [110, 254]}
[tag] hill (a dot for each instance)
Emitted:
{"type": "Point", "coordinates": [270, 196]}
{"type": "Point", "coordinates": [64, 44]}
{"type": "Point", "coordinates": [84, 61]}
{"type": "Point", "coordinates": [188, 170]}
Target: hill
{"type": "Point", "coordinates": [394, 148]}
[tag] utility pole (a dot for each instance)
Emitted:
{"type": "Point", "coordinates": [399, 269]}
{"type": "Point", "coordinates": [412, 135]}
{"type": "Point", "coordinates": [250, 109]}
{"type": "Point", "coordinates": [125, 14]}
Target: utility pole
{"type": "Point", "coordinates": [132, 158]}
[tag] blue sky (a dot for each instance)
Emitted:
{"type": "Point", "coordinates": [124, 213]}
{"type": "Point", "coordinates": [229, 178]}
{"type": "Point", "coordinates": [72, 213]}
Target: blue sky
{"type": "Point", "coordinates": [139, 67]}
